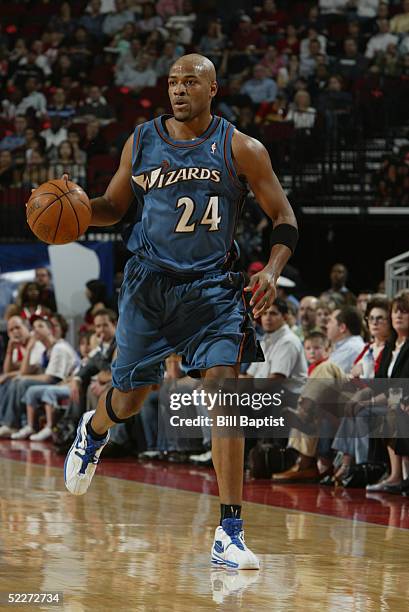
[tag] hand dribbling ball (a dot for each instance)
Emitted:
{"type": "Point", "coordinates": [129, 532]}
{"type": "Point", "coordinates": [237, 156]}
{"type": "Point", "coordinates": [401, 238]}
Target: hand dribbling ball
{"type": "Point", "coordinates": [58, 212]}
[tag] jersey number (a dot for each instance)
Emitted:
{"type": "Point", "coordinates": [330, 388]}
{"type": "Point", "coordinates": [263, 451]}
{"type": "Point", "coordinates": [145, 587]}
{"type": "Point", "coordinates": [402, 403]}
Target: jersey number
{"type": "Point", "coordinates": [210, 217]}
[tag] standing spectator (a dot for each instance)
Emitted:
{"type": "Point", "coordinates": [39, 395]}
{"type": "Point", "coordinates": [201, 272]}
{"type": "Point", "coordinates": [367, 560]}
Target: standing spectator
{"type": "Point", "coordinates": [338, 278]}
{"type": "Point", "coordinates": [43, 280]}
{"type": "Point", "coordinates": [260, 88]}
{"type": "Point", "coordinates": [117, 19]}
{"type": "Point", "coordinates": [380, 42]}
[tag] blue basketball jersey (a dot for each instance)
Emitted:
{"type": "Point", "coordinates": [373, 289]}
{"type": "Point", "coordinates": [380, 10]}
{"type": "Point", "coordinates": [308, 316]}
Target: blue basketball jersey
{"type": "Point", "coordinates": [191, 198]}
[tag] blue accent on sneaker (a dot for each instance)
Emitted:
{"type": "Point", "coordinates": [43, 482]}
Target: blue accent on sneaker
{"type": "Point", "coordinates": [233, 527]}
{"type": "Point", "coordinates": [89, 452]}
{"type": "Point", "coordinates": [218, 546]}
{"type": "Point", "coordinates": [220, 561]}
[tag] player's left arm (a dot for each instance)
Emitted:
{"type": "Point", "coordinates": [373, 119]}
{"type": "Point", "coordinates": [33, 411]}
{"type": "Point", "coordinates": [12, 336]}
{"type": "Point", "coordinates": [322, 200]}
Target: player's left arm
{"type": "Point", "coordinates": [253, 162]}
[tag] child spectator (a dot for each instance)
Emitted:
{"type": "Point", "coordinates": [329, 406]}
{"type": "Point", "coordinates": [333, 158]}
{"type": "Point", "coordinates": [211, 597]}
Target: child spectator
{"type": "Point", "coordinates": [316, 349]}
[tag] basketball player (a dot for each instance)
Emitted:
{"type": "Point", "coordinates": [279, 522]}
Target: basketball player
{"type": "Point", "coordinates": [190, 171]}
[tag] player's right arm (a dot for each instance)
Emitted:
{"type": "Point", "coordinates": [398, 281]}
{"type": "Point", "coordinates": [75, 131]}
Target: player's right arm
{"type": "Point", "coordinates": [112, 206]}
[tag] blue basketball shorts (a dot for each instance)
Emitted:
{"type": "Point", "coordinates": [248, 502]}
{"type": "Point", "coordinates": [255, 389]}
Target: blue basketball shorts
{"type": "Point", "coordinates": [203, 320]}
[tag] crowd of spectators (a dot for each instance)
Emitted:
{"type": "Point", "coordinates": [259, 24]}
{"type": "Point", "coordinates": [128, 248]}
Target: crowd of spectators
{"type": "Point", "coordinates": [337, 337]}
{"type": "Point", "coordinates": [76, 77]}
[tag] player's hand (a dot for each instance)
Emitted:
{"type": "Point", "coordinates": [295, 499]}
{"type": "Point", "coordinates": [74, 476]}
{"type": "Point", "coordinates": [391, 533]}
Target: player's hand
{"type": "Point", "coordinates": [263, 287]}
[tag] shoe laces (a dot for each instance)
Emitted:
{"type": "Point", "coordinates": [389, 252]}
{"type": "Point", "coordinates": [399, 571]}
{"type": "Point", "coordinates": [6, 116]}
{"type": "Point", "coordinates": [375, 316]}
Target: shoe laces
{"type": "Point", "coordinates": [234, 529]}
{"type": "Point", "coordinates": [89, 455]}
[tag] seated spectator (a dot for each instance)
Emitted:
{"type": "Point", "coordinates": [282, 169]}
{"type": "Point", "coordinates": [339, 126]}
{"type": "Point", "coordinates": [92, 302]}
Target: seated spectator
{"type": "Point", "coordinates": [231, 103]}
{"type": "Point", "coordinates": [131, 58]}
{"type": "Point", "coordinates": [97, 295]}
{"type": "Point", "coordinates": [44, 281]}
{"type": "Point", "coordinates": [93, 142]}
{"type": "Point", "coordinates": [66, 164]}
{"type": "Point", "coordinates": [6, 170]}
{"type": "Point", "coordinates": [213, 43]}
{"type": "Point", "coordinates": [389, 62]}
{"type": "Point", "coordinates": [54, 135]}
{"type": "Point", "coordinates": [8, 107]}
{"type": "Point", "coordinates": [28, 303]}
{"type": "Point", "coordinates": [18, 53]}
{"type": "Point", "coordinates": [74, 140]}
{"type": "Point", "coordinates": [351, 64]}
{"type": "Point", "coordinates": [63, 22]}
{"type": "Point", "coordinates": [332, 7]}
{"type": "Point", "coordinates": [60, 360]}
{"type": "Point", "coordinates": [138, 78]}
{"type": "Point", "coordinates": [247, 35]}
{"type": "Point", "coordinates": [181, 25]}
{"type": "Point", "coordinates": [64, 67]}
{"type": "Point", "coordinates": [17, 138]}
{"type": "Point", "coordinates": [34, 101]}
{"type": "Point", "coordinates": [26, 69]}
{"type": "Point", "coordinates": [400, 22]}
{"type": "Point", "coordinates": [42, 60]}
{"type": "Point", "coordinates": [95, 107]}
{"type": "Point", "coordinates": [302, 114]}
{"type": "Point", "coordinates": [354, 31]}
{"type": "Point", "coordinates": [99, 362]}
{"type": "Point", "coordinates": [316, 347]}
{"type": "Point", "coordinates": [150, 21]}
{"type": "Point", "coordinates": [366, 9]}
{"type": "Point", "coordinates": [18, 336]}
{"type": "Point", "coordinates": [117, 19]}
{"type": "Point", "coordinates": [80, 51]}
{"type": "Point", "coordinates": [34, 143]}
{"type": "Point", "coordinates": [312, 34]}
{"type": "Point", "coordinates": [336, 105]}
{"type": "Point", "coordinates": [59, 106]}
{"type": "Point", "coordinates": [322, 315]}
{"type": "Point", "coordinates": [245, 122]}
{"type": "Point", "coordinates": [273, 62]}
{"type": "Point", "coordinates": [307, 313]}
{"type": "Point", "coordinates": [260, 88]}
{"type": "Point", "coordinates": [270, 112]}
{"type": "Point", "coordinates": [35, 171]}
{"type": "Point", "coordinates": [269, 20]}
{"type": "Point", "coordinates": [93, 21]}
{"type": "Point", "coordinates": [343, 332]}
{"type": "Point", "coordinates": [362, 300]}
{"type": "Point", "coordinates": [283, 352]}
{"type": "Point", "coordinates": [310, 61]}
{"type": "Point", "coordinates": [380, 42]}
{"type": "Point", "coordinates": [167, 58]}
{"type": "Point", "coordinates": [122, 40]}
{"type": "Point", "coordinates": [289, 44]}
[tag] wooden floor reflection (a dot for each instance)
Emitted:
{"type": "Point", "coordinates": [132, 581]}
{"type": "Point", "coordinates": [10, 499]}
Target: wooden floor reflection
{"type": "Point", "coordinates": [138, 547]}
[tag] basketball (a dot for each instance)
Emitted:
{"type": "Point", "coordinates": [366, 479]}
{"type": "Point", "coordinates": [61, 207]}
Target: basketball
{"type": "Point", "coordinates": [58, 212]}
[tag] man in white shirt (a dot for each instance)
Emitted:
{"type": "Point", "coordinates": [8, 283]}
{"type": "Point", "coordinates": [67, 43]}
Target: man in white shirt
{"type": "Point", "coordinates": [381, 41]}
{"type": "Point", "coordinates": [332, 7]}
{"type": "Point", "coordinates": [34, 99]}
{"type": "Point", "coordinates": [283, 350]}
{"type": "Point", "coordinates": [344, 332]}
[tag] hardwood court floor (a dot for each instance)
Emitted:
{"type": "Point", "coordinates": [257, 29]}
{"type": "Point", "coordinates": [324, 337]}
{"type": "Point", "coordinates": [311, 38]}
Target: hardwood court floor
{"type": "Point", "coordinates": [134, 546]}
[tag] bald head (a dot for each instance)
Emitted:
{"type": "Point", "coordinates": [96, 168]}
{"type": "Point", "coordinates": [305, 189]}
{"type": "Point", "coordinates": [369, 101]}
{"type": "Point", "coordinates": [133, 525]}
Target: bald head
{"type": "Point", "coordinates": [192, 86]}
{"type": "Point", "coordinates": [196, 64]}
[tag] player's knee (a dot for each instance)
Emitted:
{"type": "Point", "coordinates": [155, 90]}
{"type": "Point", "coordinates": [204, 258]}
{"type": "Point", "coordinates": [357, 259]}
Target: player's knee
{"type": "Point", "coordinates": [126, 405]}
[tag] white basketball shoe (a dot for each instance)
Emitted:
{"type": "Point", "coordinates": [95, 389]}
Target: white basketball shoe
{"type": "Point", "coordinates": [229, 549]}
{"type": "Point", "coordinates": [82, 458]}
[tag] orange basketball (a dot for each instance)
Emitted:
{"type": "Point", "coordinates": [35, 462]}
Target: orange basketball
{"type": "Point", "coordinates": [58, 211]}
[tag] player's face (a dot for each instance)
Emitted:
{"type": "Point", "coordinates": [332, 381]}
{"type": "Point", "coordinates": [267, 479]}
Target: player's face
{"type": "Point", "coordinates": [190, 92]}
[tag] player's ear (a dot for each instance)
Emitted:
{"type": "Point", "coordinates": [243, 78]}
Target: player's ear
{"type": "Point", "coordinates": [213, 89]}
